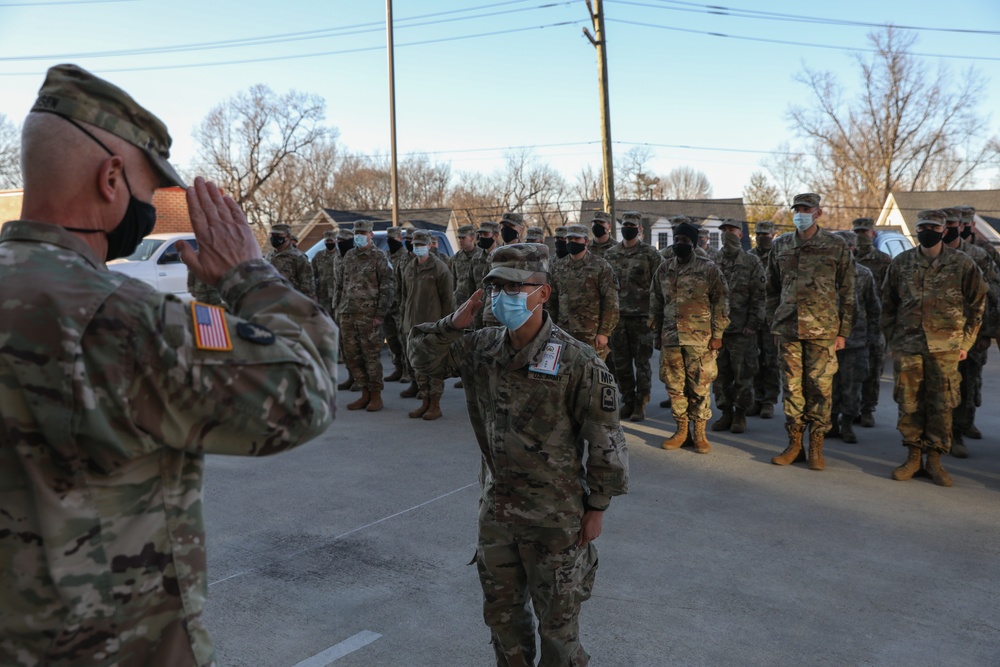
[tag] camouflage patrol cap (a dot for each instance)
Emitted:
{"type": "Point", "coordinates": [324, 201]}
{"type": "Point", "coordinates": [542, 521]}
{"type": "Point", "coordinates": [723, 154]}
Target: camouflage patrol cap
{"type": "Point", "coordinates": [561, 232]}
{"type": "Point", "coordinates": [631, 218]}
{"type": "Point", "coordinates": [764, 227]}
{"type": "Point", "coordinates": [850, 238]}
{"type": "Point", "coordinates": [330, 235]}
{"type": "Point", "coordinates": [466, 230]}
{"type": "Point", "coordinates": [363, 226]}
{"type": "Point", "coordinates": [576, 231]}
{"type": "Point", "coordinates": [679, 220]}
{"type": "Point", "coordinates": [512, 219]}
{"type": "Point", "coordinates": [490, 226]}
{"type": "Point", "coordinates": [729, 222]}
{"type": "Point", "coordinates": [968, 213]}
{"type": "Point", "coordinates": [866, 224]}
{"type": "Point", "coordinates": [421, 236]}
{"type": "Point", "coordinates": [73, 92]}
{"type": "Point", "coordinates": [951, 214]}
{"type": "Point", "coordinates": [601, 216]}
{"type": "Point", "coordinates": [931, 217]}
{"type": "Point", "coordinates": [807, 199]}
{"type": "Point", "coordinates": [519, 262]}
{"type": "Point", "coordinates": [395, 233]}
{"type": "Point", "coordinates": [281, 228]}
{"type": "Point", "coordinates": [345, 235]}
{"type": "Point", "coordinates": [534, 234]}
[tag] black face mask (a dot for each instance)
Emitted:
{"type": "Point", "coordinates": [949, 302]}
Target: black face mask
{"type": "Point", "coordinates": [629, 233]}
{"type": "Point", "coordinates": [508, 234]}
{"type": "Point", "coordinates": [966, 233]}
{"type": "Point", "coordinates": [331, 246]}
{"type": "Point", "coordinates": [394, 245]}
{"type": "Point", "coordinates": [409, 245]}
{"type": "Point", "coordinates": [950, 234]}
{"type": "Point", "coordinates": [561, 249]}
{"type": "Point", "coordinates": [485, 244]}
{"type": "Point", "coordinates": [575, 247]}
{"type": "Point", "coordinates": [344, 246]}
{"type": "Point", "coordinates": [598, 230]}
{"type": "Point", "coordinates": [683, 250]}
{"type": "Point", "coordinates": [928, 238]}
{"type": "Point", "coordinates": [277, 241]}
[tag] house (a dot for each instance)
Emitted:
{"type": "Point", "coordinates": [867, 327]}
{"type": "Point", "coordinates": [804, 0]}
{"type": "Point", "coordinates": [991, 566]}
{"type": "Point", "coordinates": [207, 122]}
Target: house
{"type": "Point", "coordinates": [901, 208]}
{"type": "Point", "coordinates": [656, 214]}
{"type": "Point", "coordinates": [439, 219]}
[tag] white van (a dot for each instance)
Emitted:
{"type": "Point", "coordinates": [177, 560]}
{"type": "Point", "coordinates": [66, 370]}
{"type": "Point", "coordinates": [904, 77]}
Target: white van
{"type": "Point", "coordinates": [157, 263]}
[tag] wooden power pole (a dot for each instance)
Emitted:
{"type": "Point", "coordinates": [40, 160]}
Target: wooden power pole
{"type": "Point", "coordinates": [599, 40]}
{"type": "Point", "coordinates": [394, 172]}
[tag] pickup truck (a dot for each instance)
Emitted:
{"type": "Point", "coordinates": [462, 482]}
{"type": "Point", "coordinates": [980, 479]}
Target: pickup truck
{"type": "Point", "coordinates": [157, 263]}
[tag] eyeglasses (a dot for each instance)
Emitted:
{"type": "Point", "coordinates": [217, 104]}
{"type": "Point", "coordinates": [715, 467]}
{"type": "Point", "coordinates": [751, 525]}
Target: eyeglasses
{"type": "Point", "coordinates": [508, 288]}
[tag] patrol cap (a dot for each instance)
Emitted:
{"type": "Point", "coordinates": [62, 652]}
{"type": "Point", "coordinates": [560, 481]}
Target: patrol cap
{"type": "Point", "coordinates": [534, 234]}
{"type": "Point", "coordinates": [490, 226]}
{"type": "Point", "coordinates": [519, 262]}
{"type": "Point", "coordinates": [73, 92]}
{"type": "Point", "coordinates": [601, 216]}
{"type": "Point", "coordinates": [807, 199]}
{"type": "Point", "coordinates": [679, 220]}
{"type": "Point", "coordinates": [931, 217]}
{"type": "Point", "coordinates": [294, 237]}
{"type": "Point", "coordinates": [394, 233]}
{"type": "Point", "coordinates": [512, 219]}
{"type": "Point", "coordinates": [330, 235]}
{"type": "Point", "coordinates": [281, 228]}
{"type": "Point", "coordinates": [421, 236]}
{"type": "Point", "coordinates": [764, 227]}
{"type": "Point", "coordinates": [561, 232]}
{"type": "Point", "coordinates": [576, 231]}
{"type": "Point", "coordinates": [952, 214]}
{"type": "Point", "coordinates": [465, 230]}
{"type": "Point", "coordinates": [687, 230]}
{"type": "Point", "coordinates": [968, 213]}
{"type": "Point", "coordinates": [345, 235]}
{"type": "Point", "coordinates": [850, 238]}
{"type": "Point", "coordinates": [631, 218]}
{"type": "Point", "coordinates": [363, 226]}
{"type": "Point", "coordinates": [866, 224]}
{"type": "Point", "coordinates": [729, 222]}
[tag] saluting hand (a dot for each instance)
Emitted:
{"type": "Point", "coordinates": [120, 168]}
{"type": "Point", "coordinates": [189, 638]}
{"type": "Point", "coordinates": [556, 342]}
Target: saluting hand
{"type": "Point", "coordinates": [466, 313]}
{"type": "Point", "coordinates": [224, 237]}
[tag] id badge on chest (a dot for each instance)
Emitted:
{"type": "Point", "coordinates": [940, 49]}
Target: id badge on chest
{"type": "Point", "coordinates": [549, 363]}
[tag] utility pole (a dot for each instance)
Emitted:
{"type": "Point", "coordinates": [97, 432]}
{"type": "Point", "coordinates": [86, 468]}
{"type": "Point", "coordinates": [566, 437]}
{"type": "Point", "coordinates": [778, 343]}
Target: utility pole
{"type": "Point", "coordinates": [392, 116]}
{"type": "Point", "coordinates": [599, 40]}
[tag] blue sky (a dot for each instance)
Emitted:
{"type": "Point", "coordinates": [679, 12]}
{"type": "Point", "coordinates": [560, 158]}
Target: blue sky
{"type": "Point", "coordinates": [506, 82]}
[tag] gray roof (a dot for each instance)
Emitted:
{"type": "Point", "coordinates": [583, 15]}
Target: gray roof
{"type": "Point", "coordinates": [987, 203]}
{"type": "Point", "coordinates": [699, 209]}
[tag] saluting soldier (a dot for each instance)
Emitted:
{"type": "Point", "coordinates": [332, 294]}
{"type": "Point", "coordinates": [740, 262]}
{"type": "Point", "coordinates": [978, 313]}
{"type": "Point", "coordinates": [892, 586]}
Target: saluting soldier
{"type": "Point", "coordinates": [767, 382]}
{"type": "Point", "coordinates": [291, 262]}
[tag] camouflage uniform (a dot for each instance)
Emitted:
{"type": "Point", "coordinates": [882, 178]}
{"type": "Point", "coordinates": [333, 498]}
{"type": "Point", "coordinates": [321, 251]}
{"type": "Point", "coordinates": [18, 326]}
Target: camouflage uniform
{"type": "Point", "coordinates": [877, 262]}
{"type": "Point", "coordinates": [395, 333]}
{"type": "Point", "coordinates": [480, 266]}
{"type": "Point", "coordinates": [293, 264]}
{"type": "Point", "coordinates": [555, 266]}
{"type": "Point", "coordinates": [767, 382]}
{"type": "Point", "coordinates": [668, 252]}
{"type": "Point", "coordinates": [427, 295]}
{"type": "Point", "coordinates": [632, 340]}
{"type": "Point", "coordinates": [600, 248]}
{"type": "Point", "coordinates": [461, 269]}
{"type": "Point", "coordinates": [364, 293]}
{"type": "Point", "coordinates": [203, 292]}
{"type": "Point", "coordinates": [552, 448]}
{"type": "Point", "coordinates": [322, 266]}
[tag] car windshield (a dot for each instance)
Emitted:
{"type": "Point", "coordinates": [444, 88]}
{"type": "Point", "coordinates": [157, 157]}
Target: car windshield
{"type": "Point", "coordinates": [146, 248]}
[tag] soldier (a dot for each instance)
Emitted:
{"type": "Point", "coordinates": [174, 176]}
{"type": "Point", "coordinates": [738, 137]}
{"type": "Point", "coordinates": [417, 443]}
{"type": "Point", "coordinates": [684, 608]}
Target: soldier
{"type": "Point", "coordinates": [810, 304]}
{"type": "Point", "coordinates": [767, 382]}
{"type": "Point", "coordinates": [852, 361]}
{"type": "Point", "coordinates": [427, 295]}
{"type": "Point", "coordinates": [687, 314]}
{"type": "Point", "coordinates": [511, 227]}
{"type": "Point", "coordinates": [461, 264]}
{"type": "Point", "coordinates": [488, 239]}
{"type": "Point", "coordinates": [322, 267]}
{"type": "Point", "coordinates": [971, 368]}
{"type": "Point", "coordinates": [114, 393]}
{"type": "Point", "coordinates": [560, 242]}
{"type": "Point", "coordinates": [345, 241]}
{"type": "Point", "coordinates": [203, 292]}
{"type": "Point", "coordinates": [291, 262]}
{"type": "Point", "coordinates": [737, 360]}
{"type": "Point", "coordinates": [395, 333]}
{"type": "Point", "coordinates": [932, 307]}
{"type": "Point", "coordinates": [545, 412]}
{"type": "Point", "coordinates": [535, 235]}
{"type": "Point", "coordinates": [403, 258]}
{"type": "Point", "coordinates": [600, 225]}
{"type": "Point", "coordinates": [555, 266]}
{"type": "Point", "coordinates": [969, 235]}
{"type": "Point", "coordinates": [587, 290]}
{"type": "Point", "coordinates": [668, 252]}
{"type": "Point", "coordinates": [877, 262]}
{"type": "Point", "coordinates": [635, 263]}
{"type": "Point", "coordinates": [703, 239]}
{"type": "Point", "coordinates": [436, 251]}
{"type": "Point", "coordinates": [364, 294]}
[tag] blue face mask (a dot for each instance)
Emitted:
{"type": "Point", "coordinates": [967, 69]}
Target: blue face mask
{"type": "Point", "coordinates": [421, 250]}
{"type": "Point", "coordinates": [360, 240]}
{"type": "Point", "coordinates": [803, 221]}
{"type": "Point", "coordinates": [512, 309]}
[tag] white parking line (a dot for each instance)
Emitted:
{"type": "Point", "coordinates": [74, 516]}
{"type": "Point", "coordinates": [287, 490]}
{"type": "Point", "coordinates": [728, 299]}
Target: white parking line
{"type": "Point", "coordinates": [338, 651]}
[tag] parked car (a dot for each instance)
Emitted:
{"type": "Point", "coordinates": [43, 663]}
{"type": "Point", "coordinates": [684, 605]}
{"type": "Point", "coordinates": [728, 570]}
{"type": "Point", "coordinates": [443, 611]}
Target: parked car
{"type": "Point", "coordinates": [157, 262]}
{"type": "Point", "coordinates": [892, 243]}
{"type": "Point", "coordinates": [444, 245]}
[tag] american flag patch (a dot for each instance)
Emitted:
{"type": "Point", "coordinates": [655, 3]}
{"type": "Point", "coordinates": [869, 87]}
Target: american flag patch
{"type": "Point", "coordinates": [210, 332]}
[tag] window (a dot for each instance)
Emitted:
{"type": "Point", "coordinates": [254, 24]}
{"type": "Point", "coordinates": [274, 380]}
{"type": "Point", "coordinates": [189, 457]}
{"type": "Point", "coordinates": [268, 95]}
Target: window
{"type": "Point", "coordinates": [713, 240]}
{"type": "Point", "coordinates": [172, 256]}
{"type": "Point", "coordinates": [662, 240]}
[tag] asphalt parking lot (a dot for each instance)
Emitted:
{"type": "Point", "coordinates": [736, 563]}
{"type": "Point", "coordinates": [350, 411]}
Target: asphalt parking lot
{"type": "Point", "coordinates": [354, 549]}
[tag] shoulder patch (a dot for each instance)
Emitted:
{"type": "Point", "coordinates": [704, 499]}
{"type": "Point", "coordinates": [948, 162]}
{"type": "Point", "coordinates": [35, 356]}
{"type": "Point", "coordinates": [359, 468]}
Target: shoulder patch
{"type": "Point", "coordinates": [609, 399]}
{"type": "Point", "coordinates": [606, 378]}
{"type": "Point", "coordinates": [255, 333]}
{"type": "Point", "coordinates": [210, 330]}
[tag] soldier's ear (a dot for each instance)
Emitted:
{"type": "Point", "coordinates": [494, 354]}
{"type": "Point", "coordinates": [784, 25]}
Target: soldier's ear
{"type": "Point", "coordinates": [818, 214]}
{"type": "Point", "coordinates": [544, 293]}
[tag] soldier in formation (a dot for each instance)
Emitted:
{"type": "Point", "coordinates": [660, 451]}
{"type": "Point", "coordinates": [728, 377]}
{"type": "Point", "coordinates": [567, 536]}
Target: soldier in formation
{"type": "Point", "coordinates": [767, 381]}
{"type": "Point", "coordinates": [534, 235]}
{"type": "Point", "coordinates": [291, 262]}
{"type": "Point", "coordinates": [877, 262]}
{"type": "Point", "coordinates": [600, 225]}
{"type": "Point", "coordinates": [323, 266]}
{"type": "Point", "coordinates": [345, 241]}
{"type": "Point", "coordinates": [488, 240]}
{"type": "Point", "coordinates": [395, 334]}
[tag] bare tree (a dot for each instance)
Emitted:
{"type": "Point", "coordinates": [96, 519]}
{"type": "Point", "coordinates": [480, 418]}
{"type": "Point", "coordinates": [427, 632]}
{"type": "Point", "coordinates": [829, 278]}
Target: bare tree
{"type": "Point", "coordinates": [760, 198]}
{"type": "Point", "coordinates": [423, 183]}
{"type": "Point", "coordinates": [245, 141]}
{"type": "Point", "coordinates": [686, 183]}
{"type": "Point", "coordinates": [589, 184]}
{"type": "Point", "coordinates": [906, 130]}
{"type": "Point", "coordinates": [10, 154]}
{"type": "Point", "coordinates": [633, 179]}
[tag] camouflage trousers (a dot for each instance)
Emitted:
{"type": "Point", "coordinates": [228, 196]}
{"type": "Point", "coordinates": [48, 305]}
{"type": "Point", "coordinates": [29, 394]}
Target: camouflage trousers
{"type": "Point", "coordinates": [430, 386]}
{"type": "Point", "coordinates": [807, 368]}
{"type": "Point", "coordinates": [852, 369]}
{"type": "Point", "coordinates": [767, 382]}
{"type": "Point", "coordinates": [393, 339]}
{"type": "Point", "coordinates": [363, 350]}
{"type": "Point", "coordinates": [873, 382]}
{"type": "Point", "coordinates": [971, 392]}
{"type": "Point", "coordinates": [401, 337]}
{"type": "Point", "coordinates": [737, 368]}
{"type": "Point", "coordinates": [521, 567]}
{"type": "Point", "coordinates": [688, 372]}
{"type": "Point", "coordinates": [587, 338]}
{"type": "Point", "coordinates": [632, 348]}
{"type": "Point", "coordinates": [926, 391]}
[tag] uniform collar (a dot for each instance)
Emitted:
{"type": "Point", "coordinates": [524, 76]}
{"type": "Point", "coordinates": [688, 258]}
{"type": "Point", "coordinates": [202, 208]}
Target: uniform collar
{"type": "Point", "coordinates": [504, 354]}
{"type": "Point", "coordinates": [45, 232]}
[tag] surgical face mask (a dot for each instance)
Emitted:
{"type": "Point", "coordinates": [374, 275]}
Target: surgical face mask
{"type": "Point", "coordinates": [629, 233]}
{"type": "Point", "coordinates": [928, 238]}
{"type": "Point", "coordinates": [421, 250]}
{"type": "Point", "coordinates": [485, 243]}
{"type": "Point", "coordinates": [575, 247]}
{"type": "Point", "coordinates": [950, 234]}
{"type": "Point", "coordinates": [764, 242]}
{"type": "Point", "coordinates": [683, 250]}
{"type": "Point", "coordinates": [512, 309]}
{"type": "Point", "coordinates": [561, 249]}
{"type": "Point", "coordinates": [277, 240]}
{"type": "Point", "coordinates": [598, 230]}
{"type": "Point", "coordinates": [508, 234]}
{"type": "Point", "coordinates": [360, 240]}
{"type": "Point", "coordinates": [966, 232]}
{"type": "Point", "coordinates": [394, 245]}
{"type": "Point", "coordinates": [331, 245]}
{"type": "Point", "coordinates": [344, 246]}
{"type": "Point", "coordinates": [730, 242]}
{"type": "Point", "coordinates": [803, 221]}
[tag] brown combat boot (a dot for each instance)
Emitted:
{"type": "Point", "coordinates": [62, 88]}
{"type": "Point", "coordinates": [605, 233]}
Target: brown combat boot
{"type": "Point", "coordinates": [700, 440]}
{"type": "Point", "coordinates": [754, 409]}
{"type": "Point", "coordinates": [410, 391]}
{"type": "Point", "coordinates": [934, 468]}
{"type": "Point", "coordinates": [739, 421]}
{"type": "Point", "coordinates": [395, 375]}
{"type": "Point", "coordinates": [910, 467]}
{"type": "Point", "coordinates": [361, 402]}
{"type": "Point", "coordinates": [816, 461]}
{"type": "Point", "coordinates": [724, 422]}
{"type": "Point", "coordinates": [677, 440]}
{"type": "Point", "coordinates": [346, 384]}
{"type": "Point", "coordinates": [973, 432]}
{"type": "Point", "coordinates": [867, 419]}
{"type": "Point", "coordinates": [374, 402]}
{"type": "Point", "coordinates": [627, 408]}
{"type": "Point", "coordinates": [419, 412]}
{"type": "Point", "coordinates": [766, 411]}
{"type": "Point", "coordinates": [847, 429]}
{"type": "Point", "coordinates": [639, 411]}
{"type": "Point", "coordinates": [958, 448]}
{"type": "Point", "coordinates": [794, 449]}
{"type": "Point", "coordinates": [433, 409]}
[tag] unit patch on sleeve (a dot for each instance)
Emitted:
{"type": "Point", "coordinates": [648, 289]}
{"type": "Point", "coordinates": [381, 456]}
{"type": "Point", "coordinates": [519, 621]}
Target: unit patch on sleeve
{"type": "Point", "coordinates": [210, 332]}
{"type": "Point", "coordinates": [255, 333]}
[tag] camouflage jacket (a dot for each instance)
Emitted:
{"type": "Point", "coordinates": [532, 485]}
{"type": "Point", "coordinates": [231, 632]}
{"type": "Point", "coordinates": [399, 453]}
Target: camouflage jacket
{"type": "Point", "coordinates": [426, 292]}
{"type": "Point", "coordinates": [988, 247]}
{"type": "Point", "coordinates": [109, 409]}
{"type": "Point", "coordinates": [991, 315]}
{"type": "Point", "coordinates": [587, 290]}
{"type": "Point", "coordinates": [810, 287]}
{"type": "Point", "coordinates": [635, 268]}
{"type": "Point", "coordinates": [601, 249]}
{"type": "Point", "coordinates": [293, 264]}
{"type": "Point", "coordinates": [688, 303]}
{"type": "Point", "coordinates": [365, 284]}
{"type": "Point", "coordinates": [203, 291]}
{"type": "Point", "coordinates": [481, 265]}
{"type": "Point", "coordinates": [668, 252]}
{"type": "Point", "coordinates": [555, 267]}
{"type": "Point", "coordinates": [745, 277]}
{"type": "Point", "coordinates": [534, 430]}
{"type": "Point", "coordinates": [323, 265]}
{"type": "Point", "coordinates": [867, 309]}
{"type": "Point", "coordinates": [461, 275]}
{"type": "Point", "coordinates": [397, 262]}
{"type": "Point", "coordinates": [932, 305]}
{"type": "Point", "coordinates": [874, 260]}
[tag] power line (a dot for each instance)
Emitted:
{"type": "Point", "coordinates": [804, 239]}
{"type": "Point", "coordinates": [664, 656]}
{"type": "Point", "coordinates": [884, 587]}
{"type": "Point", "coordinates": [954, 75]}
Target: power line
{"type": "Point", "coordinates": [62, 2]}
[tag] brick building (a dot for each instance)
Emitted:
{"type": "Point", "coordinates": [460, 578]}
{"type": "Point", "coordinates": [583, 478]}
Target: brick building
{"type": "Point", "coordinates": [171, 211]}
